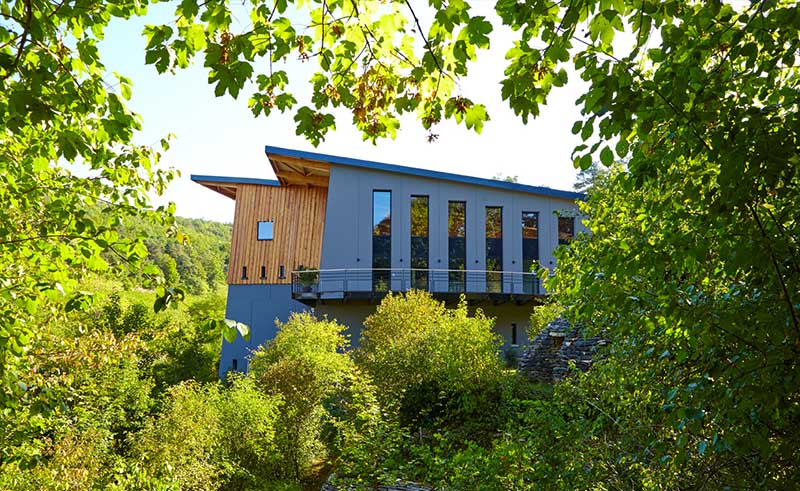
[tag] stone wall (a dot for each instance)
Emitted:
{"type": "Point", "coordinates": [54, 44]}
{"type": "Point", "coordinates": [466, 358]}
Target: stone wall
{"type": "Point", "coordinates": [547, 357]}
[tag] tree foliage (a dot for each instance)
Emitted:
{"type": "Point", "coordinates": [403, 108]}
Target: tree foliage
{"type": "Point", "coordinates": [305, 366]}
{"type": "Point", "coordinates": [692, 298]}
{"type": "Point", "coordinates": [375, 59]}
{"type": "Point", "coordinates": [692, 268]}
{"type": "Point", "coordinates": [66, 152]}
{"type": "Point", "coordinates": [191, 253]}
{"type": "Point", "coordinates": [412, 339]}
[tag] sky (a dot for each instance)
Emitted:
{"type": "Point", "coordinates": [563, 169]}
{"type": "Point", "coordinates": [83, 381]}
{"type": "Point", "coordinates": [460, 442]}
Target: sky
{"type": "Point", "coordinates": [220, 136]}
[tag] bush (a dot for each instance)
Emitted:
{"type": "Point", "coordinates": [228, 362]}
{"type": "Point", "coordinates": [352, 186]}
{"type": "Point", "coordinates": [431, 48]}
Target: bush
{"type": "Point", "coordinates": [85, 393]}
{"type": "Point", "coordinates": [178, 443]}
{"type": "Point", "coordinates": [543, 315]}
{"type": "Point", "coordinates": [431, 363]}
{"type": "Point", "coordinates": [213, 438]}
{"type": "Point", "coordinates": [306, 366]}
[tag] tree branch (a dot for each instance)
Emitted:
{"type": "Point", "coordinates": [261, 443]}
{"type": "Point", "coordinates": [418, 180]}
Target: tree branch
{"type": "Point", "coordinates": [655, 90]}
{"type": "Point", "coordinates": [786, 295]}
{"type": "Point", "coordinates": [26, 28]}
{"type": "Point", "coordinates": [427, 46]}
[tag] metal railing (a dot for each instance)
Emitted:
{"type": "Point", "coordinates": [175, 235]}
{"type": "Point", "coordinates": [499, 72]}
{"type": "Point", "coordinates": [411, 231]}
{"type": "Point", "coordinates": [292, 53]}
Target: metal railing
{"type": "Point", "coordinates": [336, 283]}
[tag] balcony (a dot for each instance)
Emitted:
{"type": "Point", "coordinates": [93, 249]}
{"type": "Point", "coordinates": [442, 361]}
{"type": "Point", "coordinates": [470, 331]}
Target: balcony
{"type": "Point", "coordinates": [342, 285]}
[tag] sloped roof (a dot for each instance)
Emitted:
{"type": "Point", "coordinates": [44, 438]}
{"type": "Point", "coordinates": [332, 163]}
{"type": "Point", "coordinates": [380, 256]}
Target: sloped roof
{"type": "Point", "coordinates": [286, 162]}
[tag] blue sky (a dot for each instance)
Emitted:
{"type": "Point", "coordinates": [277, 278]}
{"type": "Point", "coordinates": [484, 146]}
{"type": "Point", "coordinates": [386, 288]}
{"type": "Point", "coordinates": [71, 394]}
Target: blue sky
{"type": "Point", "coordinates": [220, 136]}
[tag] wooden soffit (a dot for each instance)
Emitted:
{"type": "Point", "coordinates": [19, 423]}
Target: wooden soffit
{"type": "Point", "coordinates": [228, 190]}
{"type": "Point", "coordinates": [292, 171]}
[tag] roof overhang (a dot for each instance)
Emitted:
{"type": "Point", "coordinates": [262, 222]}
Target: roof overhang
{"type": "Point", "coordinates": [299, 171]}
{"type": "Point", "coordinates": [227, 186]}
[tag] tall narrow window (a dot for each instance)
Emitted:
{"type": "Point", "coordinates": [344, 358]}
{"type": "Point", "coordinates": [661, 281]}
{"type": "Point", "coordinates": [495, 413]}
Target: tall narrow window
{"type": "Point", "coordinates": [457, 245]}
{"type": "Point", "coordinates": [530, 249]}
{"type": "Point", "coordinates": [566, 230]}
{"type": "Point", "coordinates": [420, 244]}
{"type": "Point", "coordinates": [513, 333]}
{"type": "Point", "coordinates": [381, 239]}
{"type": "Point", "coordinates": [494, 249]}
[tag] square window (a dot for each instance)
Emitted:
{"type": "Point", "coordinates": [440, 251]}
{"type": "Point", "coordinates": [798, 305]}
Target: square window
{"type": "Point", "coordinates": [265, 230]}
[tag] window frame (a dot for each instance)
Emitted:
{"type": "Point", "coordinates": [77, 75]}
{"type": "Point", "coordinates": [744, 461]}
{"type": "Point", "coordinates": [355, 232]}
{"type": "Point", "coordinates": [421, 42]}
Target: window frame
{"type": "Point", "coordinates": [381, 280]}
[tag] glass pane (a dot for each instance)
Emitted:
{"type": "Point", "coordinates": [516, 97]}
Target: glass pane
{"type": "Point", "coordinates": [382, 213]}
{"type": "Point", "coordinates": [494, 248]}
{"type": "Point", "coordinates": [457, 219]}
{"type": "Point", "coordinates": [530, 225]}
{"type": "Point", "coordinates": [566, 229]}
{"type": "Point", "coordinates": [419, 242]}
{"type": "Point", "coordinates": [381, 239]}
{"type": "Point", "coordinates": [530, 249]}
{"type": "Point", "coordinates": [419, 216]}
{"type": "Point", "coordinates": [457, 244]}
{"type": "Point", "coordinates": [265, 230]}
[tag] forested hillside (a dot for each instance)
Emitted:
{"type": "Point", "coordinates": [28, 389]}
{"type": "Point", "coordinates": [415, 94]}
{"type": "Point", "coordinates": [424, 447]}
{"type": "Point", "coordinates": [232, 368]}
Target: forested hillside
{"type": "Point", "coordinates": [192, 253]}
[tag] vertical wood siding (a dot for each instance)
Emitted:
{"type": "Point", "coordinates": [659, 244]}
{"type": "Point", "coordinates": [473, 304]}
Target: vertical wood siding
{"type": "Point", "coordinates": [298, 213]}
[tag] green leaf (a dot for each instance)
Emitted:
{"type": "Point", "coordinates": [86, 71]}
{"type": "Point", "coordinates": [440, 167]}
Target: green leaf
{"type": "Point", "coordinates": [229, 333]}
{"type": "Point", "coordinates": [606, 156]}
{"type": "Point", "coordinates": [196, 37]}
{"type": "Point", "coordinates": [232, 328]}
{"type": "Point", "coordinates": [475, 117]}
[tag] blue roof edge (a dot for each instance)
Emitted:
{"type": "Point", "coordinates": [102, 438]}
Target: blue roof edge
{"type": "Point", "coordinates": [234, 180]}
{"type": "Point", "coordinates": [400, 169]}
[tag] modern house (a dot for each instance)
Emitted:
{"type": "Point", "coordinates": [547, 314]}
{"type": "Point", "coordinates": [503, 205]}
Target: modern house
{"type": "Point", "coordinates": [335, 234]}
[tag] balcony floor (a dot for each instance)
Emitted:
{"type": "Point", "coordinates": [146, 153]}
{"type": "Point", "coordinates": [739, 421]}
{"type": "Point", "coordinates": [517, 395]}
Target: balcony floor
{"type": "Point", "coordinates": [337, 286]}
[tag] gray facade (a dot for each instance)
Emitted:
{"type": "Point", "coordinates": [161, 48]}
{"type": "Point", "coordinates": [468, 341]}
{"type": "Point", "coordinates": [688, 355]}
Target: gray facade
{"type": "Point", "coordinates": [258, 306]}
{"type": "Point", "coordinates": [345, 288]}
{"type": "Point", "coordinates": [348, 223]}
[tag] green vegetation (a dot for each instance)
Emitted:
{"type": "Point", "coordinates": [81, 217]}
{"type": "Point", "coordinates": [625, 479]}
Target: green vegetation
{"type": "Point", "coordinates": [306, 366]}
{"type": "Point", "coordinates": [93, 380]}
{"type": "Point", "coordinates": [692, 269]}
{"type": "Point", "coordinates": [542, 316]}
{"type": "Point", "coordinates": [192, 254]}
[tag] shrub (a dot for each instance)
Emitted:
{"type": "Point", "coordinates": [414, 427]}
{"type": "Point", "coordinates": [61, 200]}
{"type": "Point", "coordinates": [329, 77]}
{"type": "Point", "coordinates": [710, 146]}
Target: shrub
{"type": "Point", "coordinates": [209, 437]}
{"type": "Point", "coordinates": [370, 444]}
{"type": "Point", "coordinates": [248, 425]}
{"type": "Point", "coordinates": [84, 394]}
{"type": "Point", "coordinates": [178, 443]}
{"type": "Point", "coordinates": [305, 365]}
{"type": "Point", "coordinates": [430, 362]}
{"type": "Point", "coordinates": [543, 315]}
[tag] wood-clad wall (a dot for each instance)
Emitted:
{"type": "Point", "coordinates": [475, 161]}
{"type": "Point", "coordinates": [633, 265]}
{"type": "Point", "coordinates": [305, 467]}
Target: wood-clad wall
{"type": "Point", "coordinates": [298, 213]}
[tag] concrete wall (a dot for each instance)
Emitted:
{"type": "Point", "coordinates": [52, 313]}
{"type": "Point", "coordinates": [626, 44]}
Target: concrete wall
{"type": "Point", "coordinates": [353, 315]}
{"type": "Point", "coordinates": [347, 241]}
{"type": "Point", "coordinates": [507, 314]}
{"type": "Point", "coordinates": [258, 306]}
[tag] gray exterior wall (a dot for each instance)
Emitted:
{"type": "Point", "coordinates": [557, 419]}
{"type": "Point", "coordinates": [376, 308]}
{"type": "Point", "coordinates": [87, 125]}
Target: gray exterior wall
{"type": "Point", "coordinates": [505, 315]}
{"type": "Point", "coordinates": [347, 239]}
{"type": "Point", "coordinates": [258, 306]}
{"type": "Point", "coordinates": [347, 243]}
{"type": "Point", "coordinates": [351, 315]}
